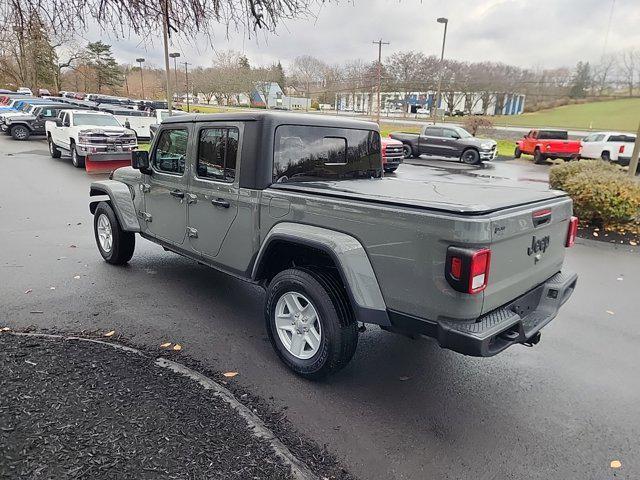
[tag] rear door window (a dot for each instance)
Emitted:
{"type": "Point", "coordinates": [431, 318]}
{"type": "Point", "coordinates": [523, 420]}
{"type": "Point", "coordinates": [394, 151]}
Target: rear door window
{"type": "Point", "coordinates": [305, 153]}
{"type": "Point", "coordinates": [433, 132]}
{"type": "Point", "coordinates": [217, 154]}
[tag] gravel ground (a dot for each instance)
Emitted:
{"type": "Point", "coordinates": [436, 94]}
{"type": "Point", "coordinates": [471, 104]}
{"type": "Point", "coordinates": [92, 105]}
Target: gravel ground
{"type": "Point", "coordinates": [71, 409]}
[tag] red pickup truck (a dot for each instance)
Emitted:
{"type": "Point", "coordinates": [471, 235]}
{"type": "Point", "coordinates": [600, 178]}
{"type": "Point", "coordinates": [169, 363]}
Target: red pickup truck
{"type": "Point", "coordinates": [392, 154]}
{"type": "Point", "coordinates": [544, 144]}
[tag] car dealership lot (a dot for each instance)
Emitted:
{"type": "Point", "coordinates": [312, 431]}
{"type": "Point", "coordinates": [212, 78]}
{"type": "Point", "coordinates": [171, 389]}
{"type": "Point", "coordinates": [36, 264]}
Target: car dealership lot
{"type": "Point", "coordinates": [403, 408]}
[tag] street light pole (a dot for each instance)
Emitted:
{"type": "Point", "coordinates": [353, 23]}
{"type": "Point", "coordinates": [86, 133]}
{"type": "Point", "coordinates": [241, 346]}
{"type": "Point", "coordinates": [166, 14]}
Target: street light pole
{"type": "Point", "coordinates": [444, 40]}
{"type": "Point", "coordinates": [380, 43]}
{"type": "Point", "coordinates": [186, 80]}
{"type": "Point", "coordinates": [141, 61]}
{"type": "Point", "coordinates": [175, 56]}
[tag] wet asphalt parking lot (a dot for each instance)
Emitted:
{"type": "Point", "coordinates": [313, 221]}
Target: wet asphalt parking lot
{"type": "Point", "coordinates": [402, 409]}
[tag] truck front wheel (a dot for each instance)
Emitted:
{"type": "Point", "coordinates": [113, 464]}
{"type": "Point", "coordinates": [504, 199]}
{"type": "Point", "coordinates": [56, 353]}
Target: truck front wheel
{"type": "Point", "coordinates": [470, 157]}
{"type": "Point", "coordinates": [20, 132]}
{"type": "Point", "coordinates": [115, 245]}
{"type": "Point", "coordinates": [76, 159]}
{"type": "Point", "coordinates": [53, 150]}
{"type": "Point", "coordinates": [517, 153]}
{"type": "Point", "coordinates": [310, 322]}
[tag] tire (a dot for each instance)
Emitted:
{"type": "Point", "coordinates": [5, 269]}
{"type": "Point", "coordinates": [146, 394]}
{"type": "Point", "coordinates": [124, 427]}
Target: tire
{"type": "Point", "coordinates": [606, 156]}
{"type": "Point", "coordinates": [407, 150]}
{"type": "Point", "coordinates": [20, 132]}
{"type": "Point", "coordinates": [390, 170]}
{"type": "Point", "coordinates": [338, 330]}
{"type": "Point", "coordinates": [470, 157]}
{"type": "Point", "coordinates": [53, 150]}
{"type": "Point", "coordinates": [122, 244]}
{"type": "Point", "coordinates": [517, 153]}
{"type": "Point", "coordinates": [76, 159]}
{"type": "Point", "coordinates": [538, 157]}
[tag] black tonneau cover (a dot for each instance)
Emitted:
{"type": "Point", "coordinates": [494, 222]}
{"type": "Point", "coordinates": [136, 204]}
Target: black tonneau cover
{"type": "Point", "coordinates": [472, 196]}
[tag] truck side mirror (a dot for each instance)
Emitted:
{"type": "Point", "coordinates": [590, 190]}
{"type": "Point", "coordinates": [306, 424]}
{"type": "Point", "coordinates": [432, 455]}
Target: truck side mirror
{"type": "Point", "coordinates": [140, 161]}
{"type": "Point", "coordinates": [58, 121]}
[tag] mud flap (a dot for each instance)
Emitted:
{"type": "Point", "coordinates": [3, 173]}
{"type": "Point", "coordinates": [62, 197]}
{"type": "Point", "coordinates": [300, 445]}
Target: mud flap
{"type": "Point", "coordinates": [106, 162]}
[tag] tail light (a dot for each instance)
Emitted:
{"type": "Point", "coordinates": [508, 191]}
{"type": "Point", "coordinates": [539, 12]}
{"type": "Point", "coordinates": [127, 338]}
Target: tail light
{"type": "Point", "coordinates": [573, 231]}
{"type": "Point", "coordinates": [467, 270]}
{"type": "Point", "coordinates": [621, 150]}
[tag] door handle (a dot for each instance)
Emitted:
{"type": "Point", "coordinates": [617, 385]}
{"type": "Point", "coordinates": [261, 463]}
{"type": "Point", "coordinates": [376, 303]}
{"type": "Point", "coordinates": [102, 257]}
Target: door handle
{"type": "Point", "coordinates": [220, 202]}
{"type": "Point", "coordinates": [177, 193]}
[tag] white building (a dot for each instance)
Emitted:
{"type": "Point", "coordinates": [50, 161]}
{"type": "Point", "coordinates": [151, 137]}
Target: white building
{"type": "Point", "coordinates": [475, 103]}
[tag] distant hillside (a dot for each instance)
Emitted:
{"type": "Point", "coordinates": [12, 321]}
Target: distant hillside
{"type": "Point", "coordinates": [621, 114]}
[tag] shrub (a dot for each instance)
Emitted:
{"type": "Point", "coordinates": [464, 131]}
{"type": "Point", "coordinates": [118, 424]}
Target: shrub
{"type": "Point", "coordinates": [604, 198]}
{"type": "Point", "coordinates": [559, 174]}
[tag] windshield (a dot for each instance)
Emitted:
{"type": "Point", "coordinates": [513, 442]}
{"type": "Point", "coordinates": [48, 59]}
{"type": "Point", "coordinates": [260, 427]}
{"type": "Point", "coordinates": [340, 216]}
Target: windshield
{"type": "Point", "coordinates": [81, 119]}
{"type": "Point", "coordinates": [164, 114]}
{"type": "Point", "coordinates": [463, 133]}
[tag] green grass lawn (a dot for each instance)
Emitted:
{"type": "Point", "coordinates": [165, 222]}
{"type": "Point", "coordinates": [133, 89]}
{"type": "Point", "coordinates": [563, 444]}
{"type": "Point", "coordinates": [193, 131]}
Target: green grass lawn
{"type": "Point", "coordinates": [623, 114]}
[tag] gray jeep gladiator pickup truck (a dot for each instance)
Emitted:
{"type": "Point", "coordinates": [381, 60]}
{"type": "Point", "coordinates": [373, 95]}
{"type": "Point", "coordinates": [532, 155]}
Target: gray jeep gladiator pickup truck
{"type": "Point", "coordinates": [299, 205]}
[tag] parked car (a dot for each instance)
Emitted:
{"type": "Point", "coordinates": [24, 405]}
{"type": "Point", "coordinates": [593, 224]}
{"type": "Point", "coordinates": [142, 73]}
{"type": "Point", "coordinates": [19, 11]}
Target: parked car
{"type": "Point", "coordinates": [24, 107]}
{"type": "Point", "coordinates": [447, 141]}
{"type": "Point", "coordinates": [609, 146]}
{"type": "Point", "coordinates": [24, 91]}
{"type": "Point", "coordinates": [23, 127]}
{"type": "Point", "coordinates": [297, 205]}
{"type": "Point", "coordinates": [392, 154]}
{"type": "Point", "coordinates": [160, 115]}
{"type": "Point", "coordinates": [137, 120]}
{"type": "Point", "coordinates": [544, 144]}
{"type": "Point", "coordinates": [82, 132]}
{"type": "Point", "coordinates": [43, 92]}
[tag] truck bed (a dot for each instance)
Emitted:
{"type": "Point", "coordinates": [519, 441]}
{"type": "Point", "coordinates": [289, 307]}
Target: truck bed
{"type": "Point", "coordinates": [468, 196]}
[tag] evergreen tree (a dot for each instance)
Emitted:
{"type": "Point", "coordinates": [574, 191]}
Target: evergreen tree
{"type": "Point", "coordinates": [581, 80]}
{"type": "Point", "coordinates": [280, 76]}
{"type": "Point", "coordinates": [107, 71]}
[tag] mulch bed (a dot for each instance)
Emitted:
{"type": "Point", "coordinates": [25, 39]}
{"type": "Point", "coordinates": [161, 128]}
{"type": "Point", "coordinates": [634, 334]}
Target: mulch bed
{"type": "Point", "coordinates": [626, 235]}
{"type": "Point", "coordinates": [72, 409]}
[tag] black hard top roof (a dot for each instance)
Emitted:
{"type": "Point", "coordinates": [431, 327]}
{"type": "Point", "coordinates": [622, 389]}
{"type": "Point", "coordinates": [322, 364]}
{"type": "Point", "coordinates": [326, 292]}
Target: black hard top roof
{"type": "Point", "coordinates": [276, 118]}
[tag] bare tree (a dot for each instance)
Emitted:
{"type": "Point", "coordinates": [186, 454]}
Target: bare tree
{"type": "Point", "coordinates": [603, 72]}
{"type": "Point", "coordinates": [308, 71]}
{"type": "Point", "coordinates": [629, 65]}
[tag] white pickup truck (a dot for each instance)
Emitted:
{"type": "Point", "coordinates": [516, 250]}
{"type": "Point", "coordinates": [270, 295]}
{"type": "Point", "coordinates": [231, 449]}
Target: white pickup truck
{"type": "Point", "coordinates": [82, 132]}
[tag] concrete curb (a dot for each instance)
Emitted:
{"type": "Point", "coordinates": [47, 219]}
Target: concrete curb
{"type": "Point", "coordinates": [299, 470]}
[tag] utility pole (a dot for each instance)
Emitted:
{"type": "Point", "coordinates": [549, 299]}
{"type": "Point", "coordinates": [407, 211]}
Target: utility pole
{"type": "Point", "coordinates": [141, 61]}
{"type": "Point", "coordinates": [633, 164]}
{"type": "Point", "coordinates": [186, 80]}
{"type": "Point", "coordinates": [379, 43]}
{"type": "Point", "coordinates": [167, 68]}
{"type": "Point", "coordinates": [444, 40]}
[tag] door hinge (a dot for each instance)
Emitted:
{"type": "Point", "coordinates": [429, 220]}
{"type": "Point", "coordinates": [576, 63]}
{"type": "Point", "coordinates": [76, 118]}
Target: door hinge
{"type": "Point", "coordinates": [191, 198]}
{"type": "Point", "coordinates": [145, 216]}
{"type": "Point", "coordinates": [145, 187]}
{"type": "Point", "coordinates": [192, 232]}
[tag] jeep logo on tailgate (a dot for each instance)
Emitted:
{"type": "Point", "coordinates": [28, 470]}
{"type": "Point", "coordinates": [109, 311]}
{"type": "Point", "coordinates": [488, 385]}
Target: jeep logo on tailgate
{"type": "Point", "coordinates": [539, 245]}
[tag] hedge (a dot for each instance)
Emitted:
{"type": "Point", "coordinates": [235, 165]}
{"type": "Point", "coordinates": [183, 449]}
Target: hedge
{"type": "Point", "coordinates": [602, 194]}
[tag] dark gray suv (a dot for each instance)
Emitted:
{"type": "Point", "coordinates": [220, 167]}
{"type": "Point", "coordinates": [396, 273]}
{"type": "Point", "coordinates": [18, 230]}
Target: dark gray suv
{"type": "Point", "coordinates": [447, 141]}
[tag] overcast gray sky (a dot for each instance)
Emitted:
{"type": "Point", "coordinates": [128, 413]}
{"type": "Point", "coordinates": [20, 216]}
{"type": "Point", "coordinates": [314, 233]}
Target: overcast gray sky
{"type": "Point", "coordinates": [529, 33]}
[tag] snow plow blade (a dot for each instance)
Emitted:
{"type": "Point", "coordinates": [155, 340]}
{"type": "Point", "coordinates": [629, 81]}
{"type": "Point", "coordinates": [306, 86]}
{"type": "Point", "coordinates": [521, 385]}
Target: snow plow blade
{"type": "Point", "coordinates": [106, 162]}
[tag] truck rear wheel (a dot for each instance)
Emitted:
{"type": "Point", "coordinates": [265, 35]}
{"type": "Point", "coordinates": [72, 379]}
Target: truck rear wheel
{"type": "Point", "coordinates": [407, 150]}
{"type": "Point", "coordinates": [538, 157]}
{"type": "Point", "coordinates": [115, 245]}
{"type": "Point", "coordinates": [76, 159]}
{"type": "Point", "coordinates": [53, 150]}
{"type": "Point", "coordinates": [20, 132]}
{"type": "Point", "coordinates": [310, 322]}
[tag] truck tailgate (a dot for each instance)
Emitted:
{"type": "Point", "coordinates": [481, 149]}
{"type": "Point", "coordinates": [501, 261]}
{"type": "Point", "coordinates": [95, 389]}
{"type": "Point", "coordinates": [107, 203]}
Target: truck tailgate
{"type": "Point", "coordinates": [567, 146]}
{"type": "Point", "coordinates": [528, 247]}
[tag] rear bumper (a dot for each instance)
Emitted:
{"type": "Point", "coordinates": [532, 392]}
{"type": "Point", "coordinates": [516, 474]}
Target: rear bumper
{"type": "Point", "coordinates": [563, 155]}
{"type": "Point", "coordinates": [517, 322]}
